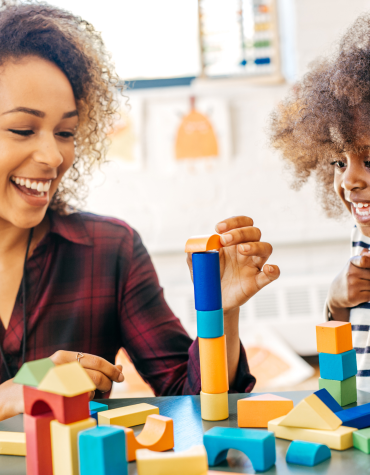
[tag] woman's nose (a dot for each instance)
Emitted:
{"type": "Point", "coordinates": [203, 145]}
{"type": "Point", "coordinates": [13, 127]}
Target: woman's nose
{"type": "Point", "coordinates": [48, 153]}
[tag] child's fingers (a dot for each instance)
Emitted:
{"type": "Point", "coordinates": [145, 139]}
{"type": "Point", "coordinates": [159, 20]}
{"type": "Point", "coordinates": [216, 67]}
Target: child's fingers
{"type": "Point", "coordinates": [268, 274]}
{"type": "Point", "coordinates": [240, 235]}
{"type": "Point", "coordinates": [259, 249]}
{"type": "Point", "coordinates": [233, 223]}
{"type": "Point", "coordinates": [362, 261]}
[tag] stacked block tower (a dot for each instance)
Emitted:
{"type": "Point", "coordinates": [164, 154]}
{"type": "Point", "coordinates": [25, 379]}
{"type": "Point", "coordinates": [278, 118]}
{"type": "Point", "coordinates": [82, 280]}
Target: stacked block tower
{"type": "Point", "coordinates": [337, 360]}
{"type": "Point", "coordinates": [210, 326]}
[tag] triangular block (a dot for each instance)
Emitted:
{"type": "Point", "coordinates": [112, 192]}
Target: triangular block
{"type": "Point", "coordinates": [33, 372]}
{"type": "Point", "coordinates": [68, 379]}
{"type": "Point", "coordinates": [311, 413]}
{"type": "Point", "coordinates": [256, 411]}
{"type": "Point", "coordinates": [328, 399]}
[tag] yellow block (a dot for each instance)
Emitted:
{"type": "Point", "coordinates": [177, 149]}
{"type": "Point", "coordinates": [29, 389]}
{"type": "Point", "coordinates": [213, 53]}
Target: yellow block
{"type": "Point", "coordinates": [214, 407]}
{"type": "Point", "coordinates": [127, 416]}
{"type": "Point", "coordinates": [340, 439]}
{"type": "Point", "coordinates": [69, 379]}
{"type": "Point", "coordinates": [190, 462]}
{"type": "Point", "coordinates": [311, 413]}
{"type": "Point", "coordinates": [64, 445]}
{"type": "Point", "coordinates": [12, 443]}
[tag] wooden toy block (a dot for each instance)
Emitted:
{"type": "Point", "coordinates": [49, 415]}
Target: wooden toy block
{"type": "Point", "coordinates": [12, 443]}
{"type": "Point", "coordinates": [307, 453]}
{"type": "Point", "coordinates": [209, 242]}
{"type": "Point", "coordinates": [38, 439]}
{"type": "Point", "coordinates": [213, 365]}
{"type": "Point", "coordinates": [344, 392]}
{"type": "Point", "coordinates": [127, 416]}
{"type": "Point", "coordinates": [210, 324]}
{"type": "Point", "coordinates": [102, 451]}
{"type": "Point", "coordinates": [339, 439]}
{"type": "Point", "coordinates": [189, 462]}
{"type": "Point", "coordinates": [256, 411]}
{"type": "Point", "coordinates": [338, 367]}
{"type": "Point", "coordinates": [97, 407]}
{"type": "Point", "coordinates": [361, 440]}
{"type": "Point", "coordinates": [33, 372]}
{"type": "Point", "coordinates": [66, 409]}
{"type": "Point", "coordinates": [334, 337]}
{"type": "Point", "coordinates": [311, 413]}
{"type": "Point", "coordinates": [156, 435]}
{"type": "Point", "coordinates": [68, 379]}
{"type": "Point", "coordinates": [64, 445]}
{"type": "Point", "coordinates": [207, 281]}
{"type": "Point", "coordinates": [214, 407]}
{"type": "Point", "coordinates": [94, 415]}
{"type": "Point", "coordinates": [358, 416]}
{"type": "Point", "coordinates": [328, 399]}
{"type": "Point", "coordinates": [258, 445]}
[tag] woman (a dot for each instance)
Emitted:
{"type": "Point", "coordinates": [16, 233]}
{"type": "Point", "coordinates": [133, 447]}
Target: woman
{"type": "Point", "coordinates": [73, 283]}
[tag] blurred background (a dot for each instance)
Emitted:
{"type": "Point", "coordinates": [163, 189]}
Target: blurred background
{"type": "Point", "coordinates": [190, 149]}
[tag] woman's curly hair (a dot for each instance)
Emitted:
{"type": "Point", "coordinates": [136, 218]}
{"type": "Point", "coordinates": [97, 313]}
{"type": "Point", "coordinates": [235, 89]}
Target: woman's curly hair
{"type": "Point", "coordinates": [31, 28]}
{"type": "Point", "coordinates": [326, 113]}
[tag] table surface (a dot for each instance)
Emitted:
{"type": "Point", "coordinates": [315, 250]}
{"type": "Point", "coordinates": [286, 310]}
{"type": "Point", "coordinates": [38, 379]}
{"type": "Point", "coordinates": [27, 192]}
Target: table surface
{"type": "Point", "coordinates": [189, 429]}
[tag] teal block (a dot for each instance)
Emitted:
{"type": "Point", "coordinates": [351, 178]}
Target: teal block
{"type": "Point", "coordinates": [102, 451]}
{"type": "Point", "coordinates": [97, 407]}
{"type": "Point", "coordinates": [257, 445]}
{"type": "Point", "coordinates": [307, 453]}
{"type": "Point", "coordinates": [338, 367]}
{"type": "Point", "coordinates": [210, 324]}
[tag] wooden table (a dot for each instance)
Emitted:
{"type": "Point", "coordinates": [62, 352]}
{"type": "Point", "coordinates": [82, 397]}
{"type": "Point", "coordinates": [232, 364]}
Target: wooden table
{"type": "Point", "coordinates": [189, 429]}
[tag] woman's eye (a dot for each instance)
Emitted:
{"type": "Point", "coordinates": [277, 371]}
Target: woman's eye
{"type": "Point", "coordinates": [23, 132]}
{"type": "Point", "coordinates": [338, 164]}
{"type": "Point", "coordinates": [65, 135]}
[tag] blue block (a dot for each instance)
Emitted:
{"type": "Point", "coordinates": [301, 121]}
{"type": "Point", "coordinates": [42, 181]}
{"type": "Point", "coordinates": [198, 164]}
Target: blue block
{"type": "Point", "coordinates": [358, 417]}
{"type": "Point", "coordinates": [262, 61]}
{"type": "Point", "coordinates": [257, 445]}
{"type": "Point", "coordinates": [338, 367]}
{"type": "Point", "coordinates": [210, 324]}
{"type": "Point", "coordinates": [328, 399]}
{"type": "Point", "coordinates": [207, 281]}
{"type": "Point", "coordinates": [94, 415]}
{"type": "Point", "coordinates": [102, 451]}
{"type": "Point", "coordinates": [96, 406]}
{"type": "Point", "coordinates": [307, 453]}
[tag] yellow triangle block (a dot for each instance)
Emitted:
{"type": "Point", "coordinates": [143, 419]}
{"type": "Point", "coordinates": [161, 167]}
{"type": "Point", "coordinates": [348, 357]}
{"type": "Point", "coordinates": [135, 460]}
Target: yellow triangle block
{"type": "Point", "coordinates": [68, 379]}
{"type": "Point", "coordinates": [311, 413]}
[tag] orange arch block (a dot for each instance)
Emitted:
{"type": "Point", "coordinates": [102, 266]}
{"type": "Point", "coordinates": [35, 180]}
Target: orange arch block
{"type": "Point", "coordinates": [213, 365]}
{"type": "Point", "coordinates": [156, 435]}
{"type": "Point", "coordinates": [209, 242]}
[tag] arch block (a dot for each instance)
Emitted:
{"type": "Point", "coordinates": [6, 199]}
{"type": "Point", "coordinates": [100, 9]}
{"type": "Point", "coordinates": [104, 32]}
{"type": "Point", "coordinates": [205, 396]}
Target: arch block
{"type": "Point", "coordinates": [210, 324]}
{"type": "Point", "coordinates": [258, 445]}
{"type": "Point", "coordinates": [157, 435]}
{"type": "Point", "coordinates": [209, 242]}
{"type": "Point", "coordinates": [207, 281]}
{"type": "Point", "coordinates": [307, 453]}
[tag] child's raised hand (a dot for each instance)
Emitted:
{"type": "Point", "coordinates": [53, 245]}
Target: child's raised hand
{"type": "Point", "coordinates": [242, 261]}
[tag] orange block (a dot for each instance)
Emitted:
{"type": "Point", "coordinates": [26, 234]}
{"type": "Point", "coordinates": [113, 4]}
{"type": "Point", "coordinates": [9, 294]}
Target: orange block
{"type": "Point", "coordinates": [209, 242]}
{"type": "Point", "coordinates": [156, 435]}
{"type": "Point", "coordinates": [334, 337]}
{"type": "Point", "coordinates": [257, 411]}
{"type": "Point", "coordinates": [213, 365]}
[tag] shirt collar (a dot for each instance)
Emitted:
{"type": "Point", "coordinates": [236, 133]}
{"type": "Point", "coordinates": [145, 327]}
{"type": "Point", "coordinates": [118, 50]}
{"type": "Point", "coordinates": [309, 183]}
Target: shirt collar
{"type": "Point", "coordinates": [70, 227]}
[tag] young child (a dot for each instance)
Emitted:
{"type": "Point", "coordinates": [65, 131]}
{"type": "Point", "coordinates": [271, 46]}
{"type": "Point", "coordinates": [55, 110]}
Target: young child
{"type": "Point", "coordinates": [323, 128]}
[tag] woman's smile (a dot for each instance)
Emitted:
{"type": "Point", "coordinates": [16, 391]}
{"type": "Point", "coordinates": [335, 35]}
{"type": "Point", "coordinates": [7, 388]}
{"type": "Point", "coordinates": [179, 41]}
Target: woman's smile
{"type": "Point", "coordinates": [34, 191]}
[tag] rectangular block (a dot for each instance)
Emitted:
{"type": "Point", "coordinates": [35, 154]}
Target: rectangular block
{"type": "Point", "coordinates": [328, 400]}
{"type": "Point", "coordinates": [358, 416]}
{"type": "Point", "coordinates": [344, 392]}
{"type": "Point", "coordinates": [256, 411]}
{"type": "Point", "coordinates": [334, 337]}
{"type": "Point", "coordinates": [210, 324]}
{"type": "Point", "coordinates": [339, 367]}
{"type": "Point", "coordinates": [213, 365]}
{"type": "Point", "coordinates": [207, 281]}
{"type": "Point", "coordinates": [12, 443]}
{"type": "Point", "coordinates": [361, 440]}
{"type": "Point", "coordinates": [214, 407]}
{"type": "Point", "coordinates": [339, 439]}
{"type": "Point", "coordinates": [127, 416]}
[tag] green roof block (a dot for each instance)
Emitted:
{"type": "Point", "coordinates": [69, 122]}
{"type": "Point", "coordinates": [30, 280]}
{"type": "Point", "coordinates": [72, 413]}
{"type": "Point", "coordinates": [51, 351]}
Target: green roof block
{"type": "Point", "coordinates": [33, 372]}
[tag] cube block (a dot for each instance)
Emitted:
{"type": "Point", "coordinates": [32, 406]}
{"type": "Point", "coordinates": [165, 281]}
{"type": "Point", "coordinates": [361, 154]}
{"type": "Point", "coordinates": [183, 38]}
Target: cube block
{"type": "Point", "coordinates": [361, 440]}
{"type": "Point", "coordinates": [334, 337]}
{"type": "Point", "coordinates": [344, 392]}
{"type": "Point", "coordinates": [339, 367]}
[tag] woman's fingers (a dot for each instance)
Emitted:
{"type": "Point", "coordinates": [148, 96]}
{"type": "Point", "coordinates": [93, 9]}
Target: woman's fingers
{"type": "Point", "coordinates": [101, 381]}
{"type": "Point", "coordinates": [268, 274]}
{"type": "Point", "coordinates": [240, 235]}
{"type": "Point", "coordinates": [233, 223]}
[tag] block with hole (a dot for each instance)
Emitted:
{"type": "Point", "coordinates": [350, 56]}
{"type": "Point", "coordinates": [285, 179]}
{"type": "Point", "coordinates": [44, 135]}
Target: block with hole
{"type": "Point", "coordinates": [256, 411]}
{"type": "Point", "coordinates": [307, 453]}
{"type": "Point", "coordinates": [258, 445]}
{"type": "Point", "coordinates": [207, 281]}
{"type": "Point", "coordinates": [210, 324]}
{"type": "Point", "coordinates": [339, 367]}
{"type": "Point", "coordinates": [127, 416]}
{"type": "Point", "coordinates": [358, 416]}
{"type": "Point", "coordinates": [213, 365]}
{"type": "Point", "coordinates": [311, 413]}
{"type": "Point", "coordinates": [64, 445]}
{"type": "Point", "coordinates": [328, 400]}
{"type": "Point", "coordinates": [157, 435]}
{"type": "Point", "coordinates": [12, 443]}
{"type": "Point", "coordinates": [204, 243]}
{"type": "Point", "coordinates": [339, 439]}
{"type": "Point", "coordinates": [361, 440]}
{"type": "Point", "coordinates": [33, 372]}
{"type": "Point", "coordinates": [189, 462]}
{"type": "Point", "coordinates": [344, 392]}
{"type": "Point", "coordinates": [102, 451]}
{"type": "Point", "coordinates": [37, 429]}
{"type": "Point", "coordinates": [334, 337]}
{"type": "Point", "coordinates": [214, 407]}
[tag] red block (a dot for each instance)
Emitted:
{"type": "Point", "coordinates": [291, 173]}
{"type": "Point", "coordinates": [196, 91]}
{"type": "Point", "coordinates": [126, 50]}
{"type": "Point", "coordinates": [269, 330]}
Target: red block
{"type": "Point", "coordinates": [65, 409]}
{"type": "Point", "coordinates": [37, 429]}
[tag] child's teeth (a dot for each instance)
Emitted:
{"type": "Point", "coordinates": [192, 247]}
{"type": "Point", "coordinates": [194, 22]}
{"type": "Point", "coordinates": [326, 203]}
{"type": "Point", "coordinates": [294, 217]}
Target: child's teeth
{"type": "Point", "coordinates": [360, 205]}
{"type": "Point", "coordinates": [28, 183]}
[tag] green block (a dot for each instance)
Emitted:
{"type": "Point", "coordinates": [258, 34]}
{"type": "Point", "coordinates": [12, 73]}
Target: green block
{"type": "Point", "coordinates": [344, 392]}
{"type": "Point", "coordinates": [33, 372]}
{"type": "Point", "coordinates": [361, 440]}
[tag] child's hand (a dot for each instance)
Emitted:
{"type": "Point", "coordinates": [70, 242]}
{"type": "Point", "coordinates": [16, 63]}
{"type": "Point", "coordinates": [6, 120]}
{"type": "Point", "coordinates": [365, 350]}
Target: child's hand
{"type": "Point", "coordinates": [242, 260]}
{"type": "Point", "coordinates": [351, 286]}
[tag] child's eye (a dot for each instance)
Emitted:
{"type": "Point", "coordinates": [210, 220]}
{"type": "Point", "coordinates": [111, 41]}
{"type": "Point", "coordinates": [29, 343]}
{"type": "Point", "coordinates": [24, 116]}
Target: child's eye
{"type": "Point", "coordinates": [339, 164]}
{"type": "Point", "coordinates": [367, 163]}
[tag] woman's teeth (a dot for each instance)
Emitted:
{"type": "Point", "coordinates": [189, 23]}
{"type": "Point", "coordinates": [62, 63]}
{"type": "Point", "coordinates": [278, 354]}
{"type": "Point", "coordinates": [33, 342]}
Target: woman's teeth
{"type": "Point", "coordinates": [362, 209]}
{"type": "Point", "coordinates": [38, 186]}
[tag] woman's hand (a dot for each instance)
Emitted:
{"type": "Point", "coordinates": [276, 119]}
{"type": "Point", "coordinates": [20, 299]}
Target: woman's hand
{"type": "Point", "coordinates": [11, 399]}
{"type": "Point", "coordinates": [100, 370]}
